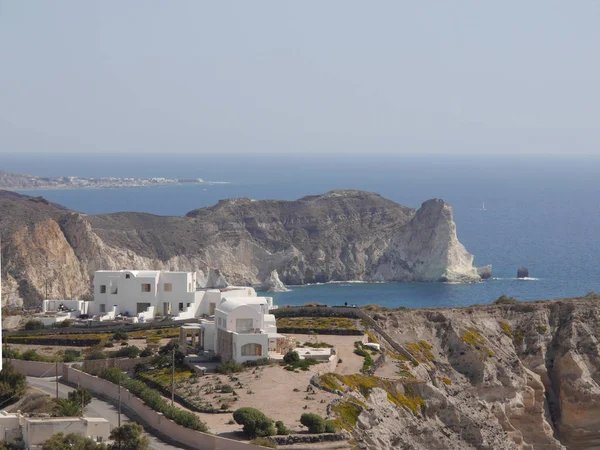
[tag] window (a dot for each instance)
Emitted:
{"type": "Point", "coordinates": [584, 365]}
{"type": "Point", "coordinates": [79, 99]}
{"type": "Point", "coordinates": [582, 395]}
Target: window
{"type": "Point", "coordinates": [146, 287]}
{"type": "Point", "coordinates": [189, 287]}
{"type": "Point", "coordinates": [168, 287]}
{"type": "Point", "coordinates": [252, 350]}
{"type": "Point", "coordinates": [114, 290]}
{"type": "Point", "coordinates": [181, 306]}
{"type": "Point", "coordinates": [127, 276]}
{"type": "Point", "coordinates": [103, 289]}
{"type": "Point", "coordinates": [243, 325]}
{"type": "Point", "coordinates": [102, 307]}
{"type": "Point", "coordinates": [188, 305]}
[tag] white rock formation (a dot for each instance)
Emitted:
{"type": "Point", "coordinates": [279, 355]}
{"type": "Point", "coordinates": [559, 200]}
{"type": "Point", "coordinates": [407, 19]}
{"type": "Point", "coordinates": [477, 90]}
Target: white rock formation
{"type": "Point", "coordinates": [273, 284]}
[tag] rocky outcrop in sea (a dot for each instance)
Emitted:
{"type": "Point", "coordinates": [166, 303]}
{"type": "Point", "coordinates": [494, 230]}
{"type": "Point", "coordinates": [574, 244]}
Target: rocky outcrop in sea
{"type": "Point", "coordinates": [337, 236]}
{"type": "Point", "coordinates": [273, 284]}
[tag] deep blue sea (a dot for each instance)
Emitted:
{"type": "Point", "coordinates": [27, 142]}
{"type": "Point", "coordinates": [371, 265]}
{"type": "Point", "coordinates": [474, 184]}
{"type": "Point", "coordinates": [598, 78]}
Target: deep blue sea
{"type": "Point", "coordinates": [542, 213]}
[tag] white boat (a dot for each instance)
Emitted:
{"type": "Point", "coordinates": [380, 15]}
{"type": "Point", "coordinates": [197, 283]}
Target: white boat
{"type": "Point", "coordinates": [483, 206]}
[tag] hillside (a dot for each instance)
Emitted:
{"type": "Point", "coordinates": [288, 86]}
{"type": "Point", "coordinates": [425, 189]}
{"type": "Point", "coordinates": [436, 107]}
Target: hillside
{"type": "Point", "coordinates": [519, 376]}
{"type": "Point", "coordinates": [340, 235]}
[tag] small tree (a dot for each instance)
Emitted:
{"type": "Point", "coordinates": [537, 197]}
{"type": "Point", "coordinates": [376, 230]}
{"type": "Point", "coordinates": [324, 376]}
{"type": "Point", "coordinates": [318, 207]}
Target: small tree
{"type": "Point", "coordinates": [129, 437]}
{"type": "Point", "coordinates": [314, 422]}
{"type": "Point", "coordinates": [168, 349]}
{"type": "Point", "coordinates": [66, 408]}
{"type": "Point", "coordinates": [146, 352]}
{"type": "Point", "coordinates": [255, 423]}
{"type": "Point", "coordinates": [78, 394]}
{"type": "Point", "coordinates": [291, 357]}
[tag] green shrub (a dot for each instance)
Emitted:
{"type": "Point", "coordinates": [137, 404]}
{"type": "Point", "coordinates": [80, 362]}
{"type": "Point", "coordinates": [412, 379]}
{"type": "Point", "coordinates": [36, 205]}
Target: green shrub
{"type": "Point", "coordinates": [145, 353]}
{"type": "Point", "coordinates": [505, 300]}
{"type": "Point", "coordinates": [230, 367]}
{"type": "Point", "coordinates": [12, 385]}
{"type": "Point", "coordinates": [282, 430]}
{"type": "Point", "coordinates": [34, 325]}
{"type": "Point", "coordinates": [314, 422]}
{"type": "Point", "coordinates": [130, 351]}
{"type": "Point", "coordinates": [71, 355]}
{"type": "Point", "coordinates": [154, 400]}
{"type": "Point", "coordinates": [129, 436]}
{"type": "Point", "coordinates": [95, 354]}
{"type": "Point", "coordinates": [330, 427]}
{"type": "Point", "coordinates": [254, 422]}
{"type": "Point", "coordinates": [227, 389]}
{"type": "Point", "coordinates": [291, 357]}
{"type": "Point", "coordinates": [257, 362]}
{"type": "Point", "coordinates": [120, 335]}
{"type": "Point", "coordinates": [74, 441]}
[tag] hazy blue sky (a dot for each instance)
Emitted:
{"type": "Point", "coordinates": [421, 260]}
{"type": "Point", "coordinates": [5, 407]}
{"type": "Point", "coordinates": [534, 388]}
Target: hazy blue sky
{"type": "Point", "coordinates": [512, 77]}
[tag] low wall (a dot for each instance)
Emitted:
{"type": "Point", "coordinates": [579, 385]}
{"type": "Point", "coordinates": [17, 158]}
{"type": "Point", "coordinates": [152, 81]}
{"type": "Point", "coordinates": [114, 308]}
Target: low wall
{"type": "Point", "coordinates": [36, 368]}
{"type": "Point", "coordinates": [317, 311]}
{"type": "Point", "coordinates": [163, 426]}
{"type": "Point", "coordinates": [125, 364]}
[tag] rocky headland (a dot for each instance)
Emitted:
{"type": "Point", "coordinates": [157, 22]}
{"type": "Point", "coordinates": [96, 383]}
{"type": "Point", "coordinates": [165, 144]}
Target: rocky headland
{"type": "Point", "coordinates": [516, 376]}
{"type": "Point", "coordinates": [337, 236]}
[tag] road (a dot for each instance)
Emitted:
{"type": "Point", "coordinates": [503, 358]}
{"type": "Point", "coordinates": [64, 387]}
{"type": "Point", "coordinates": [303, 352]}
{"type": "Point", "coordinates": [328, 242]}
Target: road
{"type": "Point", "coordinates": [96, 408]}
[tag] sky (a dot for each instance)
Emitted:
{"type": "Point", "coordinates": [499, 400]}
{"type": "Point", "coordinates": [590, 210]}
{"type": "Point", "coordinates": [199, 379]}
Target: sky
{"type": "Point", "coordinates": [469, 77]}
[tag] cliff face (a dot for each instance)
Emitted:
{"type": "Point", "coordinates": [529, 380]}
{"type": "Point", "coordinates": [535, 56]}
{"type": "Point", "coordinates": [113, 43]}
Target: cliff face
{"type": "Point", "coordinates": [523, 376]}
{"type": "Point", "coordinates": [341, 235]}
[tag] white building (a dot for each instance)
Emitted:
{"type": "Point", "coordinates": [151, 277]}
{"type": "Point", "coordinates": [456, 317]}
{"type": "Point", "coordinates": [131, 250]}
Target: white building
{"type": "Point", "coordinates": [145, 294]}
{"type": "Point", "coordinates": [33, 432]}
{"type": "Point", "coordinates": [242, 328]}
{"type": "Point", "coordinates": [56, 311]}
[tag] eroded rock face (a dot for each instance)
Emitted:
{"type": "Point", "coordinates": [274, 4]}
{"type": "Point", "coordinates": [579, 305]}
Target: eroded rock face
{"type": "Point", "coordinates": [522, 272]}
{"type": "Point", "coordinates": [524, 376]}
{"type": "Point", "coordinates": [273, 284]}
{"type": "Point", "coordinates": [337, 236]}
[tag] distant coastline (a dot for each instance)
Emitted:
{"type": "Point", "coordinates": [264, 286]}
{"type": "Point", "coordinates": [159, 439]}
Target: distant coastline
{"type": "Point", "coordinates": [19, 182]}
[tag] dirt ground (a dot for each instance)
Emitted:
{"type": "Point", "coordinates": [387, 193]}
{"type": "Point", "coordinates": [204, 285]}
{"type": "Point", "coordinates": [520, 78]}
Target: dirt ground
{"type": "Point", "coordinates": [344, 345]}
{"type": "Point", "coordinates": [279, 393]}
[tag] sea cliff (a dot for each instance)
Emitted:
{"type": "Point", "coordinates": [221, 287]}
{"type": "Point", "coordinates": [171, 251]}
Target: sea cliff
{"type": "Point", "coordinates": [337, 236]}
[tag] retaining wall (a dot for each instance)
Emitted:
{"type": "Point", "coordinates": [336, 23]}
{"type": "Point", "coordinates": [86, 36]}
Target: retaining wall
{"type": "Point", "coordinates": [125, 364]}
{"type": "Point", "coordinates": [184, 436]}
{"type": "Point", "coordinates": [36, 368]}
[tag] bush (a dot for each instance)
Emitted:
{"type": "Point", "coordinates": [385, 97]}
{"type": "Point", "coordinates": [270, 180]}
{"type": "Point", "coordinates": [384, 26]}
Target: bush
{"type": "Point", "coordinates": [95, 354]}
{"type": "Point", "coordinates": [34, 325]}
{"type": "Point", "coordinates": [66, 408]}
{"type": "Point", "coordinates": [31, 355]}
{"type": "Point", "coordinates": [154, 400]}
{"type": "Point", "coordinates": [314, 422]}
{"type": "Point", "coordinates": [145, 353]}
{"type": "Point", "coordinates": [172, 346]}
{"type": "Point", "coordinates": [254, 422]}
{"type": "Point", "coordinates": [120, 335]}
{"type": "Point", "coordinates": [230, 367]}
{"type": "Point", "coordinates": [71, 355]}
{"type": "Point", "coordinates": [130, 351]}
{"type": "Point", "coordinates": [282, 430]}
{"type": "Point", "coordinates": [257, 362]}
{"type": "Point", "coordinates": [291, 357]}
{"type": "Point", "coordinates": [330, 427]}
{"type": "Point", "coordinates": [504, 300]}
{"type": "Point", "coordinates": [12, 385]}
{"type": "Point", "coordinates": [75, 441]}
{"type": "Point", "coordinates": [227, 389]}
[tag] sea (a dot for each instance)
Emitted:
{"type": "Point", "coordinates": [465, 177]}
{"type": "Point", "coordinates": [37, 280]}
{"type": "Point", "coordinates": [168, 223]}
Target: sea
{"type": "Point", "coordinates": [542, 213]}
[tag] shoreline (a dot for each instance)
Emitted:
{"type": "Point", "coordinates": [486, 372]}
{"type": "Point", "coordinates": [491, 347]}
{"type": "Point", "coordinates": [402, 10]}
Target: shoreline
{"type": "Point", "coordinates": [91, 188]}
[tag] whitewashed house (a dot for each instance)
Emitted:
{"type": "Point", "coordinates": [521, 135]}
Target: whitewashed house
{"type": "Point", "coordinates": [242, 328]}
{"type": "Point", "coordinates": [145, 294]}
